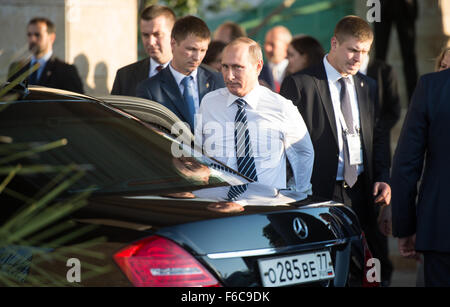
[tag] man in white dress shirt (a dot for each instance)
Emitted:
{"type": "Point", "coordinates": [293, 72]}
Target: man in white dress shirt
{"type": "Point", "coordinates": [275, 127]}
{"type": "Point", "coordinates": [276, 44]}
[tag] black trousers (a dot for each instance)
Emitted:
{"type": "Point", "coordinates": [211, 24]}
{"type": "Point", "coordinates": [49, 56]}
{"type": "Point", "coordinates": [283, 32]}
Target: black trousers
{"type": "Point", "coordinates": [359, 198]}
{"type": "Point", "coordinates": [437, 269]}
{"type": "Point", "coordinates": [403, 14]}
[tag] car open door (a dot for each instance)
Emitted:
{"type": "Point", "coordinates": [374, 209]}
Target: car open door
{"type": "Point", "coordinates": [152, 112]}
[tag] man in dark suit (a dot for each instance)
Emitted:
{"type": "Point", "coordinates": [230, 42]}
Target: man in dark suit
{"type": "Point", "coordinates": [183, 83]}
{"type": "Point", "coordinates": [338, 105]}
{"type": "Point", "coordinates": [156, 23]}
{"type": "Point", "coordinates": [389, 99]}
{"type": "Point", "coordinates": [44, 68]}
{"type": "Point", "coordinates": [421, 224]}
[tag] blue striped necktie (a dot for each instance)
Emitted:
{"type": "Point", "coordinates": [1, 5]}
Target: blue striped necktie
{"type": "Point", "coordinates": [243, 147]}
{"type": "Point", "coordinates": [188, 95]}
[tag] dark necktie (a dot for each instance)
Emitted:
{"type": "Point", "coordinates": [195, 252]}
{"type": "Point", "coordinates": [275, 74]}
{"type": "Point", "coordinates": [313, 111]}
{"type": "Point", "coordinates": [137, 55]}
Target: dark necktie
{"type": "Point", "coordinates": [350, 171]}
{"type": "Point", "coordinates": [188, 95]}
{"type": "Point", "coordinates": [159, 68]}
{"type": "Point", "coordinates": [33, 78]}
{"type": "Point", "coordinates": [243, 148]}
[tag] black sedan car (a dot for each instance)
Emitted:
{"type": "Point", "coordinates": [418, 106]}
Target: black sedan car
{"type": "Point", "coordinates": [96, 181]}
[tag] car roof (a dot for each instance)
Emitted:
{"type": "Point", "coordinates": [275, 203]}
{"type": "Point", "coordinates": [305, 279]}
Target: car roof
{"type": "Point", "coordinates": [48, 94]}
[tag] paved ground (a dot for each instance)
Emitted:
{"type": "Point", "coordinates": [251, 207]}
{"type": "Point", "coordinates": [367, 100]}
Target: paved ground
{"type": "Point", "coordinates": [405, 270]}
{"type": "Point", "coordinates": [403, 279]}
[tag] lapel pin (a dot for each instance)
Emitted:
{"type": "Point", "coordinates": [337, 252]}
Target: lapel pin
{"type": "Point", "coordinates": [362, 84]}
{"type": "Point", "coordinates": [207, 85]}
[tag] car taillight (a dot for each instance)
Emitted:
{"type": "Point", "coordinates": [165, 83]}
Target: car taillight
{"type": "Point", "coordinates": [159, 262]}
{"type": "Point", "coordinates": [367, 256]}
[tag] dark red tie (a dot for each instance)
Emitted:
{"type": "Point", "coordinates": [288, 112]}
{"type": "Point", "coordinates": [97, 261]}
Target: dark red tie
{"type": "Point", "coordinates": [159, 67]}
{"type": "Point", "coordinates": [277, 86]}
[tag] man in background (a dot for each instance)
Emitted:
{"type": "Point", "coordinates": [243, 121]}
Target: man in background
{"type": "Point", "coordinates": [275, 47]}
{"type": "Point", "coordinates": [402, 13]}
{"type": "Point", "coordinates": [156, 23]}
{"type": "Point", "coordinates": [182, 84]}
{"type": "Point", "coordinates": [228, 31]}
{"type": "Point", "coordinates": [45, 68]}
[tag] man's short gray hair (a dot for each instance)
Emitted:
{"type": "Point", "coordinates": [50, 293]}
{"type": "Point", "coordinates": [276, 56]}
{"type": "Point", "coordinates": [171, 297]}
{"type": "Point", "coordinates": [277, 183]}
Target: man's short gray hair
{"type": "Point", "coordinates": [254, 49]}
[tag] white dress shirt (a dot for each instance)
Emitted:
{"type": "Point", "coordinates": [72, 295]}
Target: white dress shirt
{"type": "Point", "coordinates": [153, 65]}
{"type": "Point", "coordinates": [278, 70]}
{"type": "Point", "coordinates": [179, 77]}
{"type": "Point", "coordinates": [276, 130]}
{"type": "Point", "coordinates": [335, 88]}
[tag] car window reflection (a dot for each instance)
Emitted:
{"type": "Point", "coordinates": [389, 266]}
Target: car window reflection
{"type": "Point", "coordinates": [192, 169]}
{"type": "Point", "coordinates": [120, 153]}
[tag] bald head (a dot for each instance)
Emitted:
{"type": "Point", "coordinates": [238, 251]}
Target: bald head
{"type": "Point", "coordinates": [276, 44]}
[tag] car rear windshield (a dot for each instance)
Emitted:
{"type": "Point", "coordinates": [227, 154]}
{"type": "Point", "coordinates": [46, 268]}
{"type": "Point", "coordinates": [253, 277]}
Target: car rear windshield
{"type": "Point", "coordinates": [117, 152]}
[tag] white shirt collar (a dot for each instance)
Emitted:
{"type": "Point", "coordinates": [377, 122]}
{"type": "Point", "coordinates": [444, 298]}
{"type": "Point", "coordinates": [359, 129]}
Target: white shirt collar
{"type": "Point", "coordinates": [153, 64]}
{"type": "Point", "coordinates": [278, 70]}
{"type": "Point", "coordinates": [251, 98]}
{"type": "Point", "coordinates": [280, 66]}
{"type": "Point", "coordinates": [332, 74]}
{"type": "Point", "coordinates": [179, 76]}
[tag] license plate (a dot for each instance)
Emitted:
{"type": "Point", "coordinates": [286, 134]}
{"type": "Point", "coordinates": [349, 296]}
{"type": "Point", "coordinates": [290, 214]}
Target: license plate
{"type": "Point", "coordinates": [297, 269]}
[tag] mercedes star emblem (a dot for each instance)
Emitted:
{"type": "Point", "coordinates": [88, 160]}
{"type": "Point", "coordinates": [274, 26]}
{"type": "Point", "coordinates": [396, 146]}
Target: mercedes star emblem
{"type": "Point", "coordinates": [300, 228]}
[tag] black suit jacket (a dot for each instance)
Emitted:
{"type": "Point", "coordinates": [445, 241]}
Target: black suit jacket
{"type": "Point", "coordinates": [163, 88]}
{"type": "Point", "coordinates": [56, 74]}
{"type": "Point", "coordinates": [424, 137]}
{"type": "Point", "coordinates": [266, 76]}
{"type": "Point", "coordinates": [128, 77]}
{"type": "Point", "coordinates": [388, 97]}
{"type": "Point", "coordinates": [309, 91]}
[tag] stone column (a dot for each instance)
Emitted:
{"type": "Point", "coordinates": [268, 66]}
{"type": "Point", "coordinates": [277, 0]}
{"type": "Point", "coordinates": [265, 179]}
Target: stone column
{"type": "Point", "coordinates": [98, 36]}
